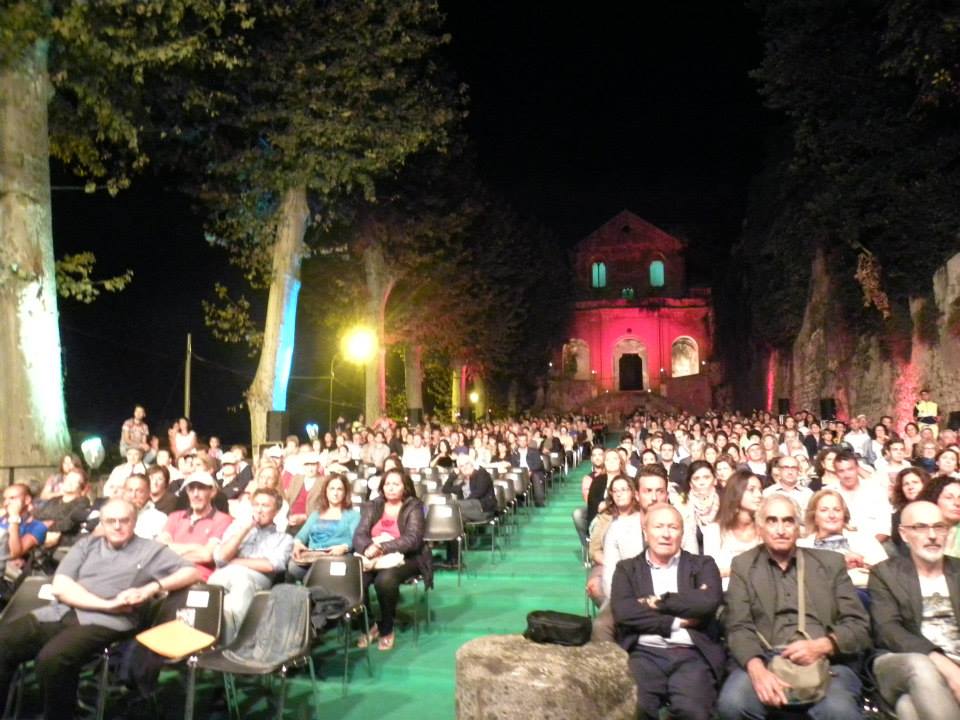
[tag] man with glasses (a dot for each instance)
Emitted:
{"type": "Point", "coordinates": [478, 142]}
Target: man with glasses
{"type": "Point", "coordinates": [915, 607]}
{"type": "Point", "coordinates": [762, 598]}
{"type": "Point", "coordinates": [789, 483]}
{"type": "Point", "coordinates": [98, 597]}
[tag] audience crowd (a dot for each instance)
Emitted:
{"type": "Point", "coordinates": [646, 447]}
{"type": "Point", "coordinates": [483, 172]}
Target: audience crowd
{"type": "Point", "coordinates": [718, 547]}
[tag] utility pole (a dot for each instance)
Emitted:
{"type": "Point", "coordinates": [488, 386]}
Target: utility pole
{"type": "Point", "coordinates": [186, 376]}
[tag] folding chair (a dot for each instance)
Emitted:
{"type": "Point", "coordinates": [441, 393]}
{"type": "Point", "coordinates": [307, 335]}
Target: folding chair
{"type": "Point", "coordinates": [217, 661]}
{"type": "Point", "coordinates": [445, 524]}
{"type": "Point", "coordinates": [34, 591]}
{"type": "Point", "coordinates": [343, 576]}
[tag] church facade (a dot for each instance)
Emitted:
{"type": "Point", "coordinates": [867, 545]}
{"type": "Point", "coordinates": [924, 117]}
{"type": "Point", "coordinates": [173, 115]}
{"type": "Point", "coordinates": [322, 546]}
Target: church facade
{"type": "Point", "coordinates": [636, 325]}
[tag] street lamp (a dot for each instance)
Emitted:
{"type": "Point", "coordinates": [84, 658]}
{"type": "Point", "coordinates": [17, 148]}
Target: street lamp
{"type": "Point", "coordinates": [358, 346]}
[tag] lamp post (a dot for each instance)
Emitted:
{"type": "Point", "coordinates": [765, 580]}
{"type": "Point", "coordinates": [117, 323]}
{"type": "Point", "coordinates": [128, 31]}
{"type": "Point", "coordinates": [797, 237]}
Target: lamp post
{"type": "Point", "coordinates": [358, 345]}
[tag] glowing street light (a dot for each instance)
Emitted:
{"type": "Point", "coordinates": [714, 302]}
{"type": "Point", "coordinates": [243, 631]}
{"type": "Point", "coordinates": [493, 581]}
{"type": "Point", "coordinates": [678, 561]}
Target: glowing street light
{"type": "Point", "coordinates": [93, 452]}
{"type": "Point", "coordinates": [474, 397]}
{"type": "Point", "coordinates": [358, 346]}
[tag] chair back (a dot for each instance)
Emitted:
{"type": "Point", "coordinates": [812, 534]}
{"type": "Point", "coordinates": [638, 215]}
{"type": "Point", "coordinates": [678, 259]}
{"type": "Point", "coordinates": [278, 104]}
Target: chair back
{"type": "Point", "coordinates": [439, 499]}
{"type": "Point", "coordinates": [501, 497]}
{"type": "Point", "coordinates": [200, 606]}
{"type": "Point", "coordinates": [509, 494]}
{"type": "Point", "coordinates": [340, 575]}
{"type": "Point", "coordinates": [443, 523]}
{"type": "Point", "coordinates": [34, 592]}
{"type": "Point", "coordinates": [253, 625]}
{"type": "Point", "coordinates": [358, 486]}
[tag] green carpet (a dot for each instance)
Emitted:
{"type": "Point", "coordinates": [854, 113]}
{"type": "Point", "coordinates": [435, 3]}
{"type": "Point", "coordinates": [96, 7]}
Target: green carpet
{"type": "Point", "coordinates": [540, 570]}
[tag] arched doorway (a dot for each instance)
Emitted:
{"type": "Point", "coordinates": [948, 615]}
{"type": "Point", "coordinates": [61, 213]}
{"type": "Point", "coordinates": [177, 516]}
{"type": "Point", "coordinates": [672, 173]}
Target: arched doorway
{"type": "Point", "coordinates": [630, 365]}
{"type": "Point", "coordinates": [685, 357]}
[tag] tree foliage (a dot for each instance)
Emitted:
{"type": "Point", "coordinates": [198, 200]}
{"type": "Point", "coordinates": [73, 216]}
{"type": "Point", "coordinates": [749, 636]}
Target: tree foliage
{"type": "Point", "coordinates": [870, 91]}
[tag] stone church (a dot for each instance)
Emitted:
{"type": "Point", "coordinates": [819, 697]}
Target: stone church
{"type": "Point", "coordinates": [636, 325]}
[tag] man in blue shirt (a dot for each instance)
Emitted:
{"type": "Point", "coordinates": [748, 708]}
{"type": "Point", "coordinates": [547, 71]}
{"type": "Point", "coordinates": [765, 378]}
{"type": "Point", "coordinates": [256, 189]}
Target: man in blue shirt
{"type": "Point", "coordinates": [19, 532]}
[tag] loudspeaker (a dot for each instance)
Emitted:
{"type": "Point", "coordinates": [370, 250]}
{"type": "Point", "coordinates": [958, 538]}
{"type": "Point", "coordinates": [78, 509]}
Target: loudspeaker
{"type": "Point", "coordinates": [953, 421]}
{"type": "Point", "coordinates": [277, 426]}
{"type": "Point", "coordinates": [783, 406]}
{"type": "Point", "coordinates": [828, 408]}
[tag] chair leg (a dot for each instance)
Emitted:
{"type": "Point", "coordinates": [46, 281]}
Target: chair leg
{"type": "Point", "coordinates": [191, 688]}
{"type": "Point", "coordinates": [346, 651]}
{"type": "Point", "coordinates": [366, 650]}
{"type": "Point", "coordinates": [102, 685]}
{"type": "Point", "coordinates": [315, 688]}
{"type": "Point", "coordinates": [426, 603]}
{"type": "Point", "coordinates": [416, 613]}
{"type": "Point", "coordinates": [281, 703]}
{"type": "Point", "coordinates": [233, 704]}
{"type": "Point", "coordinates": [459, 559]}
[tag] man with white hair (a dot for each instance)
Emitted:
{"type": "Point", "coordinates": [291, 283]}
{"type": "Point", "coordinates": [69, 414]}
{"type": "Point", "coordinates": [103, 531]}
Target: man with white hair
{"type": "Point", "coordinates": [473, 487]}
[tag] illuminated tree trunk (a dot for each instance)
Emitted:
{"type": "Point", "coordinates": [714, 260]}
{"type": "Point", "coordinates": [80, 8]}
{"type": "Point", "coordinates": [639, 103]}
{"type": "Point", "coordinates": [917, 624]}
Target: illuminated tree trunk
{"type": "Point", "coordinates": [413, 381]}
{"type": "Point", "coordinates": [379, 286]}
{"type": "Point", "coordinates": [269, 388]}
{"type": "Point", "coordinates": [33, 424]}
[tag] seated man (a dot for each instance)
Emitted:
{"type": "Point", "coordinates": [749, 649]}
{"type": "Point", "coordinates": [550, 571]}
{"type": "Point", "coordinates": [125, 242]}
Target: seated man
{"type": "Point", "coordinates": [762, 598]}
{"type": "Point", "coordinates": [252, 553]}
{"type": "Point", "coordinates": [473, 488]}
{"type": "Point", "coordinates": [664, 603]}
{"type": "Point", "coordinates": [150, 521]}
{"type": "Point", "coordinates": [65, 514]}
{"type": "Point", "coordinates": [19, 532]}
{"type": "Point", "coordinates": [195, 533]}
{"type": "Point", "coordinates": [100, 589]}
{"type": "Point", "coordinates": [914, 608]}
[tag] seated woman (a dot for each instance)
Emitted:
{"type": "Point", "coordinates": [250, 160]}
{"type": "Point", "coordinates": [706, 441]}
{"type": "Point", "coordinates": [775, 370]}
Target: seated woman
{"type": "Point", "coordinates": [723, 468]}
{"type": "Point", "coordinates": [624, 537]}
{"type": "Point", "coordinates": [442, 457]}
{"type": "Point", "coordinates": [328, 530]}
{"type": "Point", "coordinates": [826, 523]}
{"type": "Point", "coordinates": [944, 492]}
{"type": "Point", "coordinates": [738, 531]}
{"type": "Point", "coordinates": [907, 486]}
{"type": "Point", "coordinates": [702, 505]}
{"type": "Point", "coordinates": [947, 461]}
{"type": "Point", "coordinates": [390, 536]}
{"type": "Point", "coordinates": [51, 488]}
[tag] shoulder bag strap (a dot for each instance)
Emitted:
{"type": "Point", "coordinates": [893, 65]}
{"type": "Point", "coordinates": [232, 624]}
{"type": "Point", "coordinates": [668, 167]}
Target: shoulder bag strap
{"type": "Point", "coordinates": [801, 597]}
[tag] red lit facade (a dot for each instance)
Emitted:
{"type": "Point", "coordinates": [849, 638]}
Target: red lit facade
{"type": "Point", "coordinates": [636, 325]}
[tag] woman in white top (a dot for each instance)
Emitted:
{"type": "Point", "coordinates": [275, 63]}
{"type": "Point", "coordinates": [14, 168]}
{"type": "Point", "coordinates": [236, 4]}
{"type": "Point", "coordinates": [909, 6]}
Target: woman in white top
{"type": "Point", "coordinates": [624, 537]}
{"type": "Point", "coordinates": [826, 524]}
{"type": "Point", "coordinates": [184, 439]}
{"type": "Point", "coordinates": [738, 531]}
{"type": "Point", "coordinates": [702, 505]}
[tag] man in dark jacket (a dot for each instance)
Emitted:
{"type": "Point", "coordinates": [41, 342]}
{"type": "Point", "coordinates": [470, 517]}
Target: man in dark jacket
{"type": "Point", "coordinates": [529, 458]}
{"type": "Point", "coordinates": [473, 487]}
{"type": "Point", "coordinates": [664, 602]}
{"type": "Point", "coordinates": [916, 609]}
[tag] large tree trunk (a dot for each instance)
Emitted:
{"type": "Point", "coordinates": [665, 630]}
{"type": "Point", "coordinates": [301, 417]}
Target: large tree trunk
{"type": "Point", "coordinates": [269, 388]}
{"type": "Point", "coordinates": [379, 286]}
{"type": "Point", "coordinates": [33, 424]}
{"type": "Point", "coordinates": [413, 382]}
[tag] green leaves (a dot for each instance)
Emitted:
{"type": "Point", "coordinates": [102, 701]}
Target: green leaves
{"type": "Point", "coordinates": [75, 278]}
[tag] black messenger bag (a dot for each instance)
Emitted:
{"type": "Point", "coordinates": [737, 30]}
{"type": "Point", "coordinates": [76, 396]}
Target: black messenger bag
{"type": "Point", "coordinates": [558, 628]}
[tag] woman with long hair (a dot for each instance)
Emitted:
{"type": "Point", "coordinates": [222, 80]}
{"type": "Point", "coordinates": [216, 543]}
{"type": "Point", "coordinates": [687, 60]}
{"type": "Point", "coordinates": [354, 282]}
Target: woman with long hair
{"type": "Point", "coordinates": [944, 492]}
{"type": "Point", "coordinates": [624, 536]}
{"type": "Point", "coordinates": [738, 530]}
{"type": "Point", "coordinates": [702, 505]}
{"type": "Point", "coordinates": [52, 487]}
{"type": "Point", "coordinates": [390, 537]}
{"type": "Point", "coordinates": [328, 530]}
{"type": "Point", "coordinates": [907, 486]}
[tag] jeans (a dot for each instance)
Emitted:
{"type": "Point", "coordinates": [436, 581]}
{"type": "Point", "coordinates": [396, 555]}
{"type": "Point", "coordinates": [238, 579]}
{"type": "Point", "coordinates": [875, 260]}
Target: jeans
{"type": "Point", "coordinates": [911, 679]}
{"type": "Point", "coordinates": [240, 584]}
{"type": "Point", "coordinates": [738, 700]}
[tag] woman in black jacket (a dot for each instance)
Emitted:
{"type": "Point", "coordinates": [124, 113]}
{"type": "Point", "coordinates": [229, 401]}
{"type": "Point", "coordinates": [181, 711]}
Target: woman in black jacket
{"type": "Point", "coordinates": [390, 537]}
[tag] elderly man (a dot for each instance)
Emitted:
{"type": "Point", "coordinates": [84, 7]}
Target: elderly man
{"type": "Point", "coordinates": [100, 589]}
{"type": "Point", "coordinates": [252, 553]}
{"type": "Point", "coordinates": [916, 615]}
{"type": "Point", "coordinates": [473, 488]}
{"type": "Point", "coordinates": [789, 484]}
{"type": "Point", "coordinates": [527, 457]}
{"type": "Point", "coordinates": [195, 533]}
{"type": "Point", "coordinates": [762, 598]}
{"type": "Point", "coordinates": [664, 603]}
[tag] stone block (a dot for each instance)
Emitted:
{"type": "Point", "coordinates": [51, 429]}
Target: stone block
{"type": "Point", "coordinates": [502, 677]}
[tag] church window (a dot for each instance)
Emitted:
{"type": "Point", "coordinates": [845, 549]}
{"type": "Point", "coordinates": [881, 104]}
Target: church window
{"type": "Point", "coordinates": [656, 274]}
{"type": "Point", "coordinates": [599, 275]}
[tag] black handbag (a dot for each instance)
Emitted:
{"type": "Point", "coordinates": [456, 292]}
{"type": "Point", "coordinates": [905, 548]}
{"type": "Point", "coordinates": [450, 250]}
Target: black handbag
{"type": "Point", "coordinates": [558, 628]}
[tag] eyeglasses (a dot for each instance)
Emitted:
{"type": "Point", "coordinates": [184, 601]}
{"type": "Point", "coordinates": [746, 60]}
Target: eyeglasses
{"type": "Point", "coordinates": [789, 467]}
{"type": "Point", "coordinates": [938, 528]}
{"type": "Point", "coordinates": [118, 522]}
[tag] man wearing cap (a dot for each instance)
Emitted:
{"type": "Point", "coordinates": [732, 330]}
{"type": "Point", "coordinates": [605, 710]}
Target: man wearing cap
{"type": "Point", "coordinates": [303, 492]}
{"type": "Point", "coordinates": [231, 485]}
{"type": "Point", "coordinates": [195, 533]}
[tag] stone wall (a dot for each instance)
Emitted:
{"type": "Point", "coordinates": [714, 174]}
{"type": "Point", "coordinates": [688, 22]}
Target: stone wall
{"type": "Point", "coordinates": [830, 359]}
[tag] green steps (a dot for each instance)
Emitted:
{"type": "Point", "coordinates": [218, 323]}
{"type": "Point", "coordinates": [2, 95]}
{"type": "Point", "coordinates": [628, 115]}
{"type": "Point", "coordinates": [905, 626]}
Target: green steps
{"type": "Point", "coordinates": [540, 569]}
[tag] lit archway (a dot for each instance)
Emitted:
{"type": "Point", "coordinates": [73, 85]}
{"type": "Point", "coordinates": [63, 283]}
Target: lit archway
{"type": "Point", "coordinates": [684, 357]}
{"type": "Point", "coordinates": [576, 359]}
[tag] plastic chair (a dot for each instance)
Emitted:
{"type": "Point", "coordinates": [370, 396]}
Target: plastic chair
{"type": "Point", "coordinates": [33, 592]}
{"type": "Point", "coordinates": [445, 524]}
{"type": "Point", "coordinates": [343, 576]}
{"type": "Point", "coordinates": [251, 627]}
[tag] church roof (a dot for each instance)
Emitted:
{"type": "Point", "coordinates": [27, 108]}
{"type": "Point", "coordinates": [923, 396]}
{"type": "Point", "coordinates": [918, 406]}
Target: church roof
{"type": "Point", "coordinates": [626, 228]}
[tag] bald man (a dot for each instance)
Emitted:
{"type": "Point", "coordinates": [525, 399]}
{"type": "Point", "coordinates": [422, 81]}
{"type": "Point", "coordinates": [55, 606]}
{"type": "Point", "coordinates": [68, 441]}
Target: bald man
{"type": "Point", "coordinates": [665, 602]}
{"type": "Point", "coordinates": [915, 609]}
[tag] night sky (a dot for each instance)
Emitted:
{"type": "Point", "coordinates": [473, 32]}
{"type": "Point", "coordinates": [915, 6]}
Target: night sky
{"type": "Point", "coordinates": [575, 114]}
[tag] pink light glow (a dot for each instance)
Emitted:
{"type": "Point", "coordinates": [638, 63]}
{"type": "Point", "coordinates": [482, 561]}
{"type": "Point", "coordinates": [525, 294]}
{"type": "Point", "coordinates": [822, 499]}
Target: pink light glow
{"type": "Point", "coordinates": [771, 383]}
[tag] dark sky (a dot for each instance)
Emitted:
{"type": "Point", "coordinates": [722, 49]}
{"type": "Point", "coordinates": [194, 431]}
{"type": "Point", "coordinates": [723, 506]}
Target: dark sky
{"type": "Point", "coordinates": [575, 114]}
